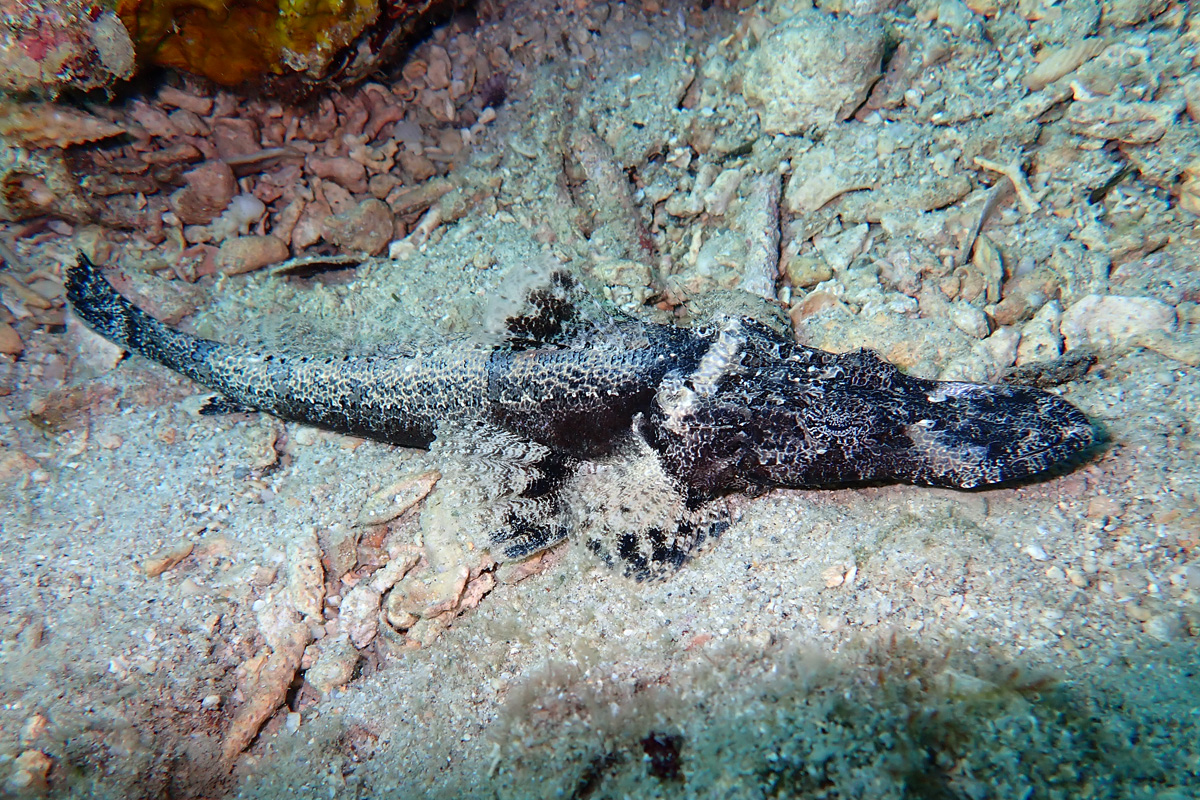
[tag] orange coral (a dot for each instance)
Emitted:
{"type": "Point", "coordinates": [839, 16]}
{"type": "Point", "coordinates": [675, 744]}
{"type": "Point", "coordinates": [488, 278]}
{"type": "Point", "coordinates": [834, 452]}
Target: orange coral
{"type": "Point", "coordinates": [232, 41]}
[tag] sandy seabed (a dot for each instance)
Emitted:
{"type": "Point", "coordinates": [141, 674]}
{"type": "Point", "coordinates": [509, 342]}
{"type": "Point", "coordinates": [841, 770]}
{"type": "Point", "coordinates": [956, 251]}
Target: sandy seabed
{"type": "Point", "coordinates": [1027, 641]}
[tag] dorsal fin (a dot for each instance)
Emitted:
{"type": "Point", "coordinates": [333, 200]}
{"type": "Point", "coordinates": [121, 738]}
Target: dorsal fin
{"type": "Point", "coordinates": [549, 315]}
{"type": "Point", "coordinates": [545, 308]}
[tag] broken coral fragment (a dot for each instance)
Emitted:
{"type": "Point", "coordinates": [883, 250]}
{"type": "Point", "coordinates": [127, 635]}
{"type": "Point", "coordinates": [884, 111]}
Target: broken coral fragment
{"type": "Point", "coordinates": [40, 125]}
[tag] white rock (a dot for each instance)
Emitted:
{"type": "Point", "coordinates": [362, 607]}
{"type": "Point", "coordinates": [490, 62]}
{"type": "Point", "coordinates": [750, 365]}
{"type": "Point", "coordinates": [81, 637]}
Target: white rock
{"type": "Point", "coordinates": [277, 621]}
{"type": "Point", "coordinates": [841, 250]}
{"type": "Point", "coordinates": [813, 70]}
{"type": "Point", "coordinates": [334, 665]}
{"type": "Point", "coordinates": [1002, 346]}
{"type": "Point", "coordinates": [722, 191]}
{"type": "Point", "coordinates": [1111, 321]}
{"type": "Point", "coordinates": [1164, 627]}
{"type": "Point", "coordinates": [969, 319]}
{"type": "Point", "coordinates": [1036, 552]}
{"type": "Point", "coordinates": [95, 355]}
{"type": "Point", "coordinates": [391, 573]}
{"type": "Point", "coordinates": [819, 176]}
{"type": "Point", "coordinates": [359, 616]}
{"type": "Point", "coordinates": [1040, 337]}
{"type": "Point", "coordinates": [759, 224]}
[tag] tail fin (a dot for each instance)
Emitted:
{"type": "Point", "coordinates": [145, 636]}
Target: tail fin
{"type": "Point", "coordinates": [97, 303]}
{"type": "Point", "coordinates": [109, 314]}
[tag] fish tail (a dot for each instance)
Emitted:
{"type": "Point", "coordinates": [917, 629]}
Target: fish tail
{"type": "Point", "coordinates": [106, 312]}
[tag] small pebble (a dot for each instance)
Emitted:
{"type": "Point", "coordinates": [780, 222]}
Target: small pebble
{"type": "Point", "coordinates": [346, 172]}
{"type": "Point", "coordinates": [833, 576]}
{"type": "Point", "coordinates": [1035, 552]}
{"type": "Point", "coordinates": [243, 254]}
{"type": "Point", "coordinates": [366, 228]}
{"type": "Point", "coordinates": [10, 340]}
{"type": "Point", "coordinates": [109, 441]}
{"type": "Point", "coordinates": [1163, 627]}
{"type": "Point", "coordinates": [207, 192]}
{"type": "Point", "coordinates": [1077, 578]}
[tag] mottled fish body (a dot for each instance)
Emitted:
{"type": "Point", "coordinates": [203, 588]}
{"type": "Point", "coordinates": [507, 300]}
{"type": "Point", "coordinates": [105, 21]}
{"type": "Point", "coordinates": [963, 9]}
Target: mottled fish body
{"type": "Point", "coordinates": [702, 412]}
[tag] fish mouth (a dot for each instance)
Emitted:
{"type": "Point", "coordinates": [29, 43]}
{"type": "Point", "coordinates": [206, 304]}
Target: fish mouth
{"type": "Point", "coordinates": [1035, 433]}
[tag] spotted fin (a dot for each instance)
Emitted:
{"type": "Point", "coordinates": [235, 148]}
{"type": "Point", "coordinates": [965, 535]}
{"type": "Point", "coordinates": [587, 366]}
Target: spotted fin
{"type": "Point", "coordinates": [536, 517]}
{"type": "Point", "coordinates": [508, 490]}
{"type": "Point", "coordinates": [636, 518]}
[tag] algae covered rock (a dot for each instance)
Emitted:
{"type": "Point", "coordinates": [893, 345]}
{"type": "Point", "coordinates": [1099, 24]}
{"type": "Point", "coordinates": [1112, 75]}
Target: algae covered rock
{"type": "Point", "coordinates": [284, 45]}
{"type": "Point", "coordinates": [51, 45]}
{"type": "Point", "coordinates": [234, 42]}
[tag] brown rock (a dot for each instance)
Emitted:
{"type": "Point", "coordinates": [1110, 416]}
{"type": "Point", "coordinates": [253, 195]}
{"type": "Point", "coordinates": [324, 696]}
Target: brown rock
{"type": "Point", "coordinates": [181, 99]}
{"type": "Point", "coordinates": [248, 253]}
{"type": "Point", "coordinates": [52, 125]}
{"type": "Point", "coordinates": [159, 563]}
{"type": "Point", "coordinates": [285, 221]}
{"type": "Point", "coordinates": [29, 777]}
{"type": "Point", "coordinates": [235, 137]}
{"type": "Point", "coordinates": [419, 167]}
{"type": "Point", "coordinates": [380, 186]}
{"type": "Point", "coordinates": [265, 686]}
{"type": "Point", "coordinates": [813, 303]}
{"type": "Point", "coordinates": [15, 464]}
{"type": "Point", "coordinates": [345, 172]}
{"type": "Point", "coordinates": [1024, 295]}
{"type": "Point", "coordinates": [806, 271]}
{"type": "Point", "coordinates": [154, 121]}
{"type": "Point", "coordinates": [366, 228]}
{"type": "Point", "coordinates": [340, 201]}
{"type": "Point", "coordinates": [188, 123]}
{"type": "Point", "coordinates": [418, 198]}
{"type": "Point", "coordinates": [10, 340]}
{"type": "Point", "coordinates": [209, 189]}
{"type": "Point", "coordinates": [308, 228]}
